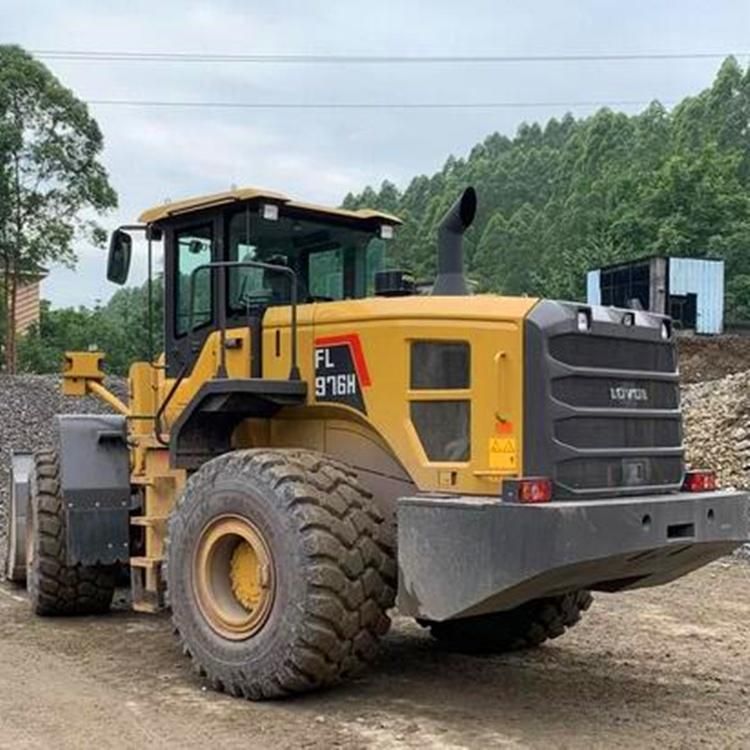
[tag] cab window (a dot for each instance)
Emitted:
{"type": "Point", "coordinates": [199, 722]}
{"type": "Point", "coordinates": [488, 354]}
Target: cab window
{"type": "Point", "coordinates": [325, 271]}
{"type": "Point", "coordinates": [194, 247]}
{"type": "Point", "coordinates": [332, 261]}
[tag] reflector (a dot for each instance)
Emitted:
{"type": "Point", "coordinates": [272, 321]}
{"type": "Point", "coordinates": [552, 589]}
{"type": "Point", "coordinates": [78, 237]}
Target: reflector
{"type": "Point", "coordinates": [701, 480]}
{"type": "Point", "coordinates": [534, 490]}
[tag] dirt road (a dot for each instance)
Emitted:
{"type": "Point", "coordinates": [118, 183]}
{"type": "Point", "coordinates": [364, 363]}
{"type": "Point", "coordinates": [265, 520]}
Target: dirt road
{"type": "Point", "coordinates": [667, 668]}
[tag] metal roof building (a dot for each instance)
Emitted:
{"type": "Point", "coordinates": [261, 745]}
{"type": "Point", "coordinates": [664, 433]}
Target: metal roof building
{"type": "Point", "coordinates": [691, 290]}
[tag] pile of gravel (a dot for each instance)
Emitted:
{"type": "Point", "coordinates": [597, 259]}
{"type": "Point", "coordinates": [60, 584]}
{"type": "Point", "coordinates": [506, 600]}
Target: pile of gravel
{"type": "Point", "coordinates": [28, 404]}
{"type": "Point", "coordinates": [716, 420]}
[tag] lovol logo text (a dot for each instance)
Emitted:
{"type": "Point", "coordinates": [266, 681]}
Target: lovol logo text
{"type": "Point", "coordinates": [627, 394]}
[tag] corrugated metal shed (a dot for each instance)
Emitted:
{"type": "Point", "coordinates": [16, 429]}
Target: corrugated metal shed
{"type": "Point", "coordinates": [700, 279]}
{"type": "Point", "coordinates": [593, 288]}
{"type": "Point", "coordinates": [705, 279]}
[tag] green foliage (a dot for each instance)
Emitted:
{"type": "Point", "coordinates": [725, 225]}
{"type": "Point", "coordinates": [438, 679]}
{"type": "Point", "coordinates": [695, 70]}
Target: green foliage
{"type": "Point", "coordinates": [555, 201]}
{"type": "Point", "coordinates": [119, 329]}
{"type": "Point", "coordinates": [49, 173]}
{"type": "Point", "coordinates": [572, 195]}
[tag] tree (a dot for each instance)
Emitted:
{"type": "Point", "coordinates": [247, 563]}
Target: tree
{"type": "Point", "coordinates": [575, 194]}
{"type": "Point", "coordinates": [49, 173]}
{"type": "Point", "coordinates": [119, 328]}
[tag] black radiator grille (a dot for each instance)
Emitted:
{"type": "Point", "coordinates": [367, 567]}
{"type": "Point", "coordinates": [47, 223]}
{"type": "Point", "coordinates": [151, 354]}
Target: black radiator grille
{"type": "Point", "coordinates": [603, 404]}
{"type": "Point", "coordinates": [618, 432]}
{"type": "Point", "coordinates": [585, 391]}
{"type": "Point", "coordinates": [587, 350]}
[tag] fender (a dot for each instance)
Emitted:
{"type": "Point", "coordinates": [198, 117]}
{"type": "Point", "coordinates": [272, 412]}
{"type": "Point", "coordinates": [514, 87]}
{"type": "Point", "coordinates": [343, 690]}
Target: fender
{"type": "Point", "coordinates": [95, 487]}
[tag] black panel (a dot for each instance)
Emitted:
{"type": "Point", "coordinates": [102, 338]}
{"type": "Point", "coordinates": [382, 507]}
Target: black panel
{"type": "Point", "coordinates": [205, 426]}
{"type": "Point", "coordinates": [597, 351]}
{"type": "Point", "coordinates": [443, 428]}
{"type": "Point", "coordinates": [631, 472]}
{"type": "Point", "coordinates": [336, 377]}
{"type": "Point", "coordinates": [601, 405]}
{"type": "Point", "coordinates": [628, 393]}
{"type": "Point", "coordinates": [440, 364]}
{"type": "Point", "coordinates": [97, 536]}
{"type": "Point", "coordinates": [95, 484]}
{"type": "Point", "coordinates": [614, 432]}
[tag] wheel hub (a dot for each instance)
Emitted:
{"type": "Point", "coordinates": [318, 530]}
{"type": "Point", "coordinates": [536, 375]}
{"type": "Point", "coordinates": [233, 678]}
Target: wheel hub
{"type": "Point", "coordinates": [233, 577]}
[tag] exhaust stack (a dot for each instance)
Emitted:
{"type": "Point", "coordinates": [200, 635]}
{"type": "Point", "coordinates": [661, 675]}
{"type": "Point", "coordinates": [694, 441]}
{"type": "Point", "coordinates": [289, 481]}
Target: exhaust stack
{"type": "Point", "coordinates": [450, 277]}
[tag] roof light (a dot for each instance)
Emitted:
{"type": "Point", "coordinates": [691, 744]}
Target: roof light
{"type": "Point", "coordinates": [702, 480]}
{"type": "Point", "coordinates": [628, 319]}
{"type": "Point", "coordinates": [584, 321]}
{"type": "Point", "coordinates": [270, 212]}
{"type": "Point", "coordinates": [666, 330]}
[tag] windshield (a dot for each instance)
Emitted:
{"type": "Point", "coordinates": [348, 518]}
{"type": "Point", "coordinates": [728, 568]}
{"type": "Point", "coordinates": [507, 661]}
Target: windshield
{"type": "Point", "coordinates": [332, 262]}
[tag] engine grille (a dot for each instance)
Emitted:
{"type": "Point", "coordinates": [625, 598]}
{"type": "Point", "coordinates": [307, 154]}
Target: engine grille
{"type": "Point", "coordinates": [602, 405]}
{"type": "Point", "coordinates": [585, 350]}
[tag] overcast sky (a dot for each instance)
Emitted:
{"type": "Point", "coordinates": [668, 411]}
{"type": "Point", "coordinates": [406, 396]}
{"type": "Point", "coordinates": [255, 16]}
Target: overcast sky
{"type": "Point", "coordinates": [154, 154]}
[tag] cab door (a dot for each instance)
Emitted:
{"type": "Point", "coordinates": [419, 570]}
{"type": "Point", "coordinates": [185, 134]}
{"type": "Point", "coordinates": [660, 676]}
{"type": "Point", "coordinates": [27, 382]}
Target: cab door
{"type": "Point", "coordinates": [189, 245]}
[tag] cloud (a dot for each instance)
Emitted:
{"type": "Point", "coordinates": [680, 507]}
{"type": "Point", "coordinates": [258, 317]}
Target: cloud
{"type": "Point", "coordinates": [316, 155]}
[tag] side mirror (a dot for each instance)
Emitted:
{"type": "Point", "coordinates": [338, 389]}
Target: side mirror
{"type": "Point", "coordinates": [118, 260]}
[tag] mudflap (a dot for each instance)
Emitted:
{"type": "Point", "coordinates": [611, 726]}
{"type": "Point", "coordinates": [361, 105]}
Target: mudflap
{"type": "Point", "coordinates": [95, 479]}
{"type": "Point", "coordinates": [460, 556]}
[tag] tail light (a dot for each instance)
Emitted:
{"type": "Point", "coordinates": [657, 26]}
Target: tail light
{"type": "Point", "coordinates": [528, 490]}
{"type": "Point", "coordinates": [700, 481]}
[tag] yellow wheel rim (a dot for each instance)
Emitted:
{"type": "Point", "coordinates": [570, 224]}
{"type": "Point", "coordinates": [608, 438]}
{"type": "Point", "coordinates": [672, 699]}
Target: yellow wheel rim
{"type": "Point", "coordinates": [233, 577]}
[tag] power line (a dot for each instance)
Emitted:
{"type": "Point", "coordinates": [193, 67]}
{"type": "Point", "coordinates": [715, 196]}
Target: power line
{"type": "Point", "coordinates": [367, 105]}
{"type": "Point", "coordinates": [200, 57]}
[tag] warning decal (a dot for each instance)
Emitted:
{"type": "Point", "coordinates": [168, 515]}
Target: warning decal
{"type": "Point", "coordinates": [503, 454]}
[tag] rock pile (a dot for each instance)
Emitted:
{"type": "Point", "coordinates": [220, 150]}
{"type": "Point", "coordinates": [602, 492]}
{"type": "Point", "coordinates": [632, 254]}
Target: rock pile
{"type": "Point", "coordinates": [28, 404]}
{"type": "Point", "coordinates": [716, 420]}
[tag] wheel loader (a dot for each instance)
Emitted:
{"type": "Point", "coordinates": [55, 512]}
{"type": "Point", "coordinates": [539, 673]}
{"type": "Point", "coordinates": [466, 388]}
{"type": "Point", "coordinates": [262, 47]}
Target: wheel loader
{"type": "Point", "coordinates": [319, 445]}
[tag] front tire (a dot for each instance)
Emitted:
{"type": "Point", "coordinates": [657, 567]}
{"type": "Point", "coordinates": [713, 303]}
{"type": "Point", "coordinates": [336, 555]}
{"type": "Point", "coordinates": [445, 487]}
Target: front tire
{"type": "Point", "coordinates": [279, 572]}
{"type": "Point", "coordinates": [55, 587]}
{"type": "Point", "coordinates": [527, 626]}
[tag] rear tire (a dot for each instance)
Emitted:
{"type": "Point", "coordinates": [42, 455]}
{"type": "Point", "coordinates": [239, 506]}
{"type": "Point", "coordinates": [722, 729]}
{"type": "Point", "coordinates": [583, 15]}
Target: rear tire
{"type": "Point", "coordinates": [56, 588]}
{"type": "Point", "coordinates": [527, 626]}
{"type": "Point", "coordinates": [310, 604]}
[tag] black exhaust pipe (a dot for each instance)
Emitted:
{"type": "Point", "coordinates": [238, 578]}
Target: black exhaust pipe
{"type": "Point", "coordinates": [450, 276]}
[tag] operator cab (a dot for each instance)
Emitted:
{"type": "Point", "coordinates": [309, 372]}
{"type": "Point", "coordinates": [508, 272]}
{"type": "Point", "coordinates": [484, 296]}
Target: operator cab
{"type": "Point", "coordinates": [333, 254]}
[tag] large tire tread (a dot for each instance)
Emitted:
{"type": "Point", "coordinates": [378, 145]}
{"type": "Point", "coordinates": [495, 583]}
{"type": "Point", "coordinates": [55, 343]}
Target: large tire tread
{"type": "Point", "coordinates": [524, 627]}
{"type": "Point", "coordinates": [349, 567]}
{"type": "Point", "coordinates": [56, 588]}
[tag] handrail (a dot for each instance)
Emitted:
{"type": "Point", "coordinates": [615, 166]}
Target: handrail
{"type": "Point", "coordinates": [294, 373]}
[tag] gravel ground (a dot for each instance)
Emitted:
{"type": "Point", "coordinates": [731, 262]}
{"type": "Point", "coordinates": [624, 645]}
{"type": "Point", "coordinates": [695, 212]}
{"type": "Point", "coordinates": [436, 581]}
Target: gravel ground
{"type": "Point", "coordinates": [658, 668]}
